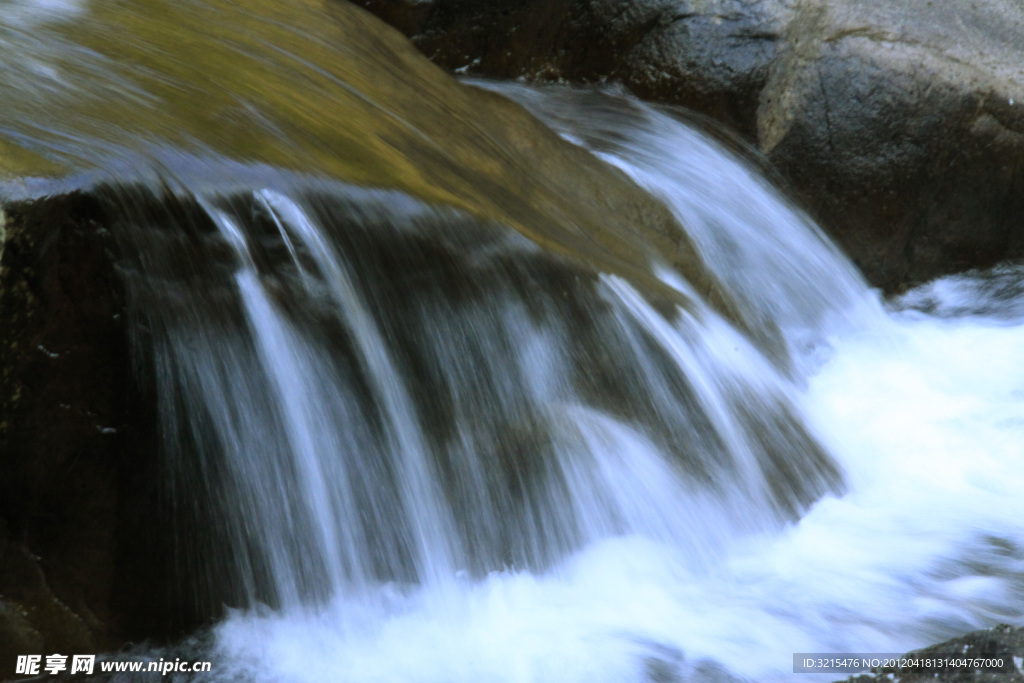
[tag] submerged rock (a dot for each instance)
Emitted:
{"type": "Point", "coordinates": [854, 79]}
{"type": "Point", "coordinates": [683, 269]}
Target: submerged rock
{"type": "Point", "coordinates": [899, 125]}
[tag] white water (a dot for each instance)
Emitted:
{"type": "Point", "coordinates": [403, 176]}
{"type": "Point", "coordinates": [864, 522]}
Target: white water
{"type": "Point", "coordinates": [927, 418]}
{"type": "Point", "coordinates": [769, 255]}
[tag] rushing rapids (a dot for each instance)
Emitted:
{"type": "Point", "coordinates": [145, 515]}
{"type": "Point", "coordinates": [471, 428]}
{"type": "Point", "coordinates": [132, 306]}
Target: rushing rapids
{"type": "Point", "coordinates": [444, 392]}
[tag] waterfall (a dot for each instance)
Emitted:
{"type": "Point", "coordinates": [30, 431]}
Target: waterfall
{"type": "Point", "coordinates": [439, 450]}
{"type": "Point", "coordinates": [450, 390]}
{"type": "Point", "coordinates": [378, 390]}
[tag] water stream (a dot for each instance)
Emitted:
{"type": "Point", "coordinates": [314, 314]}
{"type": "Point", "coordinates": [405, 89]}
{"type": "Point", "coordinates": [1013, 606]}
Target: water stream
{"type": "Point", "coordinates": [449, 393]}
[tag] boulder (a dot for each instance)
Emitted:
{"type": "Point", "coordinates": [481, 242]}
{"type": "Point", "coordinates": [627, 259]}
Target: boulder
{"type": "Point", "coordinates": [901, 127]}
{"type": "Point", "coordinates": [712, 56]}
{"type": "Point", "coordinates": [898, 125]}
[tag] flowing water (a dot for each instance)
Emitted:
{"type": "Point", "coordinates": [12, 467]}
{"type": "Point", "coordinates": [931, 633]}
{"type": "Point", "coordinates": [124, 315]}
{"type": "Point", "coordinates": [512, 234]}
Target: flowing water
{"type": "Point", "coordinates": [446, 393]}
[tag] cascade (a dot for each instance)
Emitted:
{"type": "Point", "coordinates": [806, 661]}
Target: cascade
{"type": "Point", "coordinates": [493, 382]}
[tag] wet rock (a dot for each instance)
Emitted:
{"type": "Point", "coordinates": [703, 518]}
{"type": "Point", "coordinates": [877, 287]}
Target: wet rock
{"type": "Point", "coordinates": [32, 619]}
{"type": "Point", "coordinates": [76, 494]}
{"type": "Point", "coordinates": [1004, 641]}
{"type": "Point", "coordinates": [899, 125]}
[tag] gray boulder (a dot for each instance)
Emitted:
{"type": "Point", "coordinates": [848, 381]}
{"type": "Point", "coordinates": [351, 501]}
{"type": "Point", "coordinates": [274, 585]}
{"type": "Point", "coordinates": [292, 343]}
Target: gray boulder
{"type": "Point", "coordinates": [899, 124]}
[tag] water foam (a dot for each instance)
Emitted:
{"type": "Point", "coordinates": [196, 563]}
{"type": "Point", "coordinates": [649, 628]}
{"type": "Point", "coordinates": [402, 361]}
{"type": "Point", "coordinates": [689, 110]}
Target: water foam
{"type": "Point", "coordinates": [928, 543]}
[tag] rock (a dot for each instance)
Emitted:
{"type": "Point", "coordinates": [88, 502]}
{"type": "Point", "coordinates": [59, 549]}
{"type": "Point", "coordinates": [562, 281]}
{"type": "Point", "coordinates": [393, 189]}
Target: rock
{"type": "Point", "coordinates": [712, 56]}
{"type": "Point", "coordinates": [17, 636]}
{"type": "Point", "coordinates": [76, 495]}
{"type": "Point", "coordinates": [998, 640]}
{"type": "Point", "coordinates": [899, 125]}
{"type": "Point", "coordinates": [32, 619]}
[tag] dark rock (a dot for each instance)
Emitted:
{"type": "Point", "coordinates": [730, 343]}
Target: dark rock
{"type": "Point", "coordinates": [899, 125]}
{"type": "Point", "coordinates": [33, 620]}
{"type": "Point", "coordinates": [1003, 640]}
{"type": "Point", "coordinates": [76, 472]}
{"type": "Point", "coordinates": [712, 57]}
